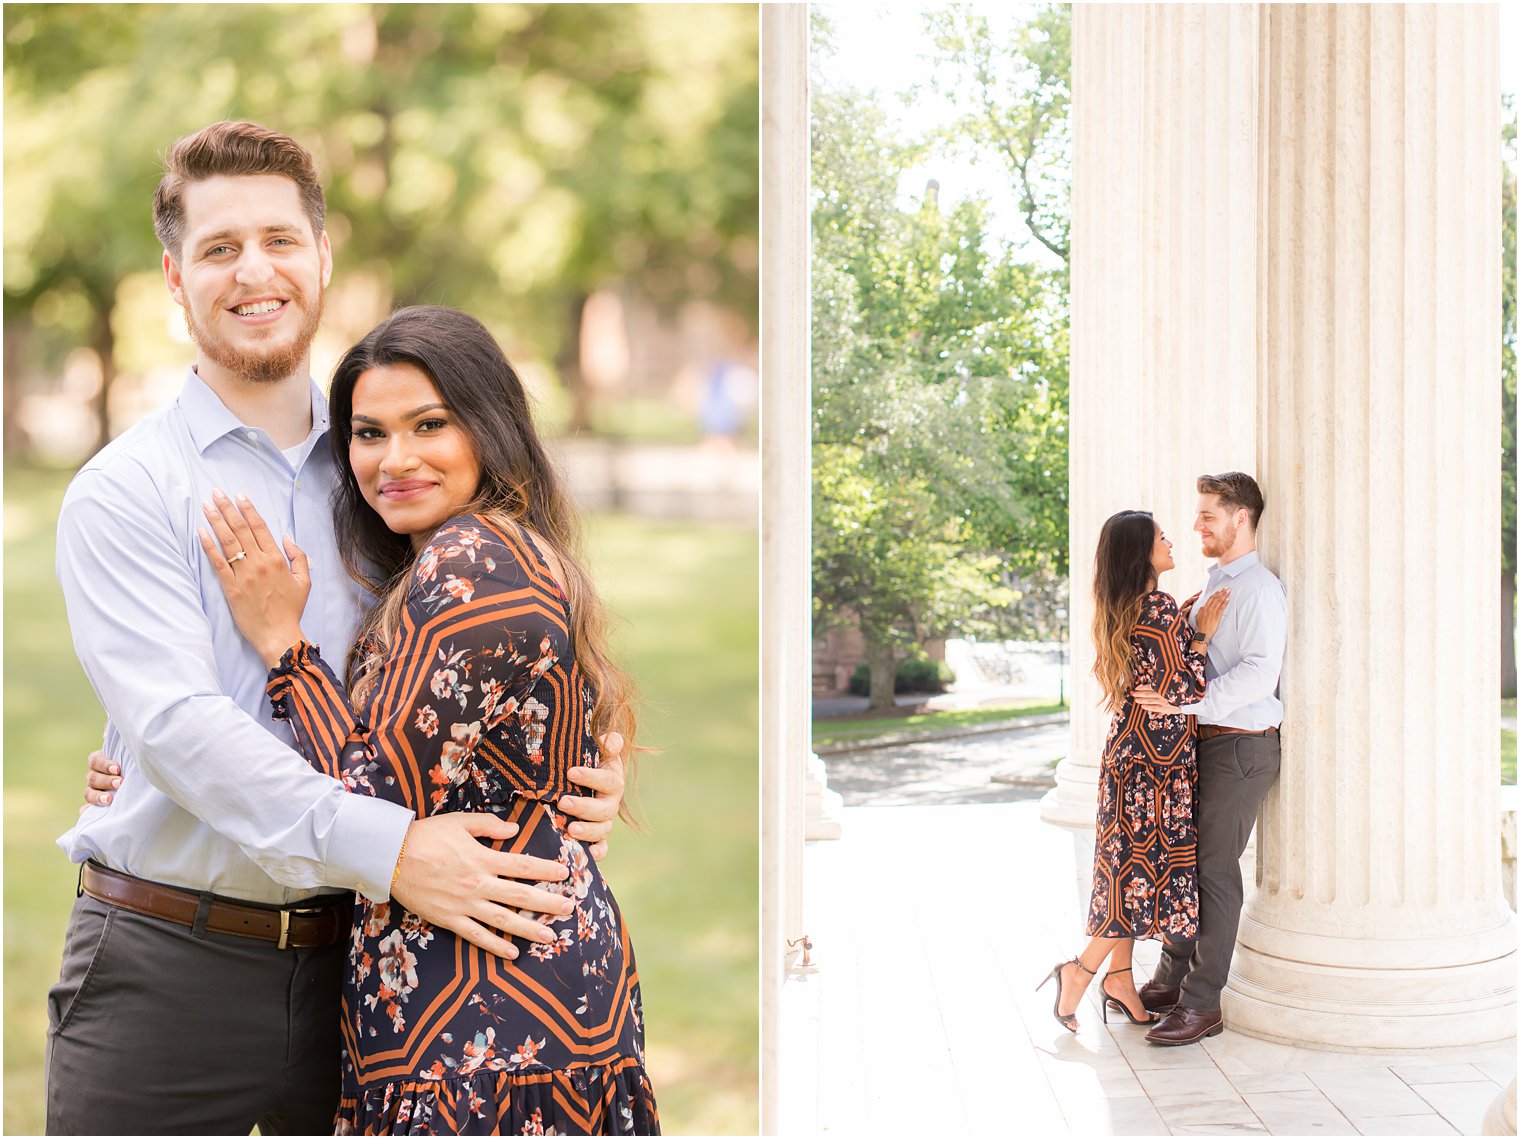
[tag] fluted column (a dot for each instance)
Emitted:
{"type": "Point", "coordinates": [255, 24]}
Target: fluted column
{"type": "Point", "coordinates": [785, 417]}
{"type": "Point", "coordinates": [1163, 289]}
{"type": "Point", "coordinates": [1378, 919]}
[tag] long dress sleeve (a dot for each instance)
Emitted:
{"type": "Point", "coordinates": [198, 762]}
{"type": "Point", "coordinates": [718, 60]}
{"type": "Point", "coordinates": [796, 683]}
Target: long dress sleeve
{"type": "Point", "coordinates": [1166, 658]}
{"type": "Point", "coordinates": [304, 691]}
{"type": "Point", "coordinates": [482, 624]}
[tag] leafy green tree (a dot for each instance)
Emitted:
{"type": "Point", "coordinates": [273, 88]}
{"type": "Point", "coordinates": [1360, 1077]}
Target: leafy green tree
{"type": "Point", "coordinates": [931, 342]}
{"type": "Point", "coordinates": [885, 552]}
{"type": "Point", "coordinates": [1017, 98]}
{"type": "Point", "coordinates": [1013, 86]}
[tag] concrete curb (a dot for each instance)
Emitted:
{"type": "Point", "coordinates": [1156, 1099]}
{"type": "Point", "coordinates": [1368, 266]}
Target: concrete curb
{"type": "Point", "coordinates": [897, 738]}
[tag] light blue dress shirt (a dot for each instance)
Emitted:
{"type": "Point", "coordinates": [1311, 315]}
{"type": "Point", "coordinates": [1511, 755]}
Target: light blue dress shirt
{"type": "Point", "coordinates": [1246, 651]}
{"type": "Point", "coordinates": [213, 797]}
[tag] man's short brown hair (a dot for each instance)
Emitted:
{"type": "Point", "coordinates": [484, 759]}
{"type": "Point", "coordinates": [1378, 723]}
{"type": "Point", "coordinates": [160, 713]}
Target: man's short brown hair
{"type": "Point", "coordinates": [229, 149]}
{"type": "Point", "coordinates": [1236, 491]}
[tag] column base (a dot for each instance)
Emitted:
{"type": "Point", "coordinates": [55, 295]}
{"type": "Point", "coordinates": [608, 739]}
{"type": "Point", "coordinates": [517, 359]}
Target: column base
{"type": "Point", "coordinates": [822, 806]}
{"type": "Point", "coordinates": [1372, 998]}
{"type": "Point", "coordinates": [1500, 1117]}
{"type": "Point", "coordinates": [1073, 802]}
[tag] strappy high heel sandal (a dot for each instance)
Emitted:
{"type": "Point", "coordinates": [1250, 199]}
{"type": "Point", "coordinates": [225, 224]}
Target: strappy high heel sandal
{"type": "Point", "coordinates": [1069, 1021]}
{"type": "Point", "coordinates": [1111, 1001]}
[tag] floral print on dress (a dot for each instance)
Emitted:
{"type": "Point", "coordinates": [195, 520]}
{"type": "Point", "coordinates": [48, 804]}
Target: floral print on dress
{"type": "Point", "coordinates": [1145, 880]}
{"type": "Point", "coordinates": [481, 706]}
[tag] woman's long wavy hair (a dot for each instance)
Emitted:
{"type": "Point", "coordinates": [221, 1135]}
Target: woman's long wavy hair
{"type": "Point", "coordinates": [1122, 576]}
{"type": "Point", "coordinates": [519, 487]}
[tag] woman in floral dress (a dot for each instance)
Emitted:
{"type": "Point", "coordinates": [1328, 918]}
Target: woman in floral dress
{"type": "Point", "coordinates": [1145, 882]}
{"type": "Point", "coordinates": [481, 678]}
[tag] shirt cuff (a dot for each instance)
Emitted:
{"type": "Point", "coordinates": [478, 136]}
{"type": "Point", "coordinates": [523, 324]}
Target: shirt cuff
{"type": "Point", "coordinates": [366, 842]}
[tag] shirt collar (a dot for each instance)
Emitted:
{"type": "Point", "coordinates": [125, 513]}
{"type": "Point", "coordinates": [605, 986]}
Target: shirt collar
{"type": "Point", "coordinates": [1238, 566]}
{"type": "Point", "coordinates": [209, 419]}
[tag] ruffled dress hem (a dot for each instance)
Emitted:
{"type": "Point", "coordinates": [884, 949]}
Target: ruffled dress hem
{"type": "Point", "coordinates": [613, 1098]}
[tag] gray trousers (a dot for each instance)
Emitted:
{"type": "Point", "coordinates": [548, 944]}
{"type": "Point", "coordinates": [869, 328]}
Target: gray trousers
{"type": "Point", "coordinates": [1234, 775]}
{"type": "Point", "coordinates": [154, 1030]}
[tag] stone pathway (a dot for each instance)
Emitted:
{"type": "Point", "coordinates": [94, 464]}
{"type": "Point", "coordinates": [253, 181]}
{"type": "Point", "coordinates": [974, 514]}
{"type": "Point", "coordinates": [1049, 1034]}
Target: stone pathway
{"type": "Point", "coordinates": [992, 767]}
{"type": "Point", "coordinates": [662, 481]}
{"type": "Point", "coordinates": [931, 925]}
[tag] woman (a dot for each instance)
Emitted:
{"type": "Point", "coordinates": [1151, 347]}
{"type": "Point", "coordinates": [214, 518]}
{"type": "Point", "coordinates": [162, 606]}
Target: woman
{"type": "Point", "coordinates": [481, 676]}
{"type": "Point", "coordinates": [1145, 881]}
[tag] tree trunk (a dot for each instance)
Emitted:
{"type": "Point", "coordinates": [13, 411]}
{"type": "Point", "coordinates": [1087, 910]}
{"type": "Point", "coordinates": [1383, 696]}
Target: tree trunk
{"type": "Point", "coordinates": [1506, 633]}
{"type": "Point", "coordinates": [17, 444]}
{"type": "Point", "coordinates": [882, 660]}
{"type": "Point", "coordinates": [569, 364]}
{"type": "Point", "coordinates": [103, 341]}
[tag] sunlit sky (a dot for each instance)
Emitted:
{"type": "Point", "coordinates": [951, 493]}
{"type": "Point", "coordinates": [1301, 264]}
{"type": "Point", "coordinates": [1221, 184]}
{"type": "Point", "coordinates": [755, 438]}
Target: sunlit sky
{"type": "Point", "coordinates": [880, 44]}
{"type": "Point", "coordinates": [882, 48]}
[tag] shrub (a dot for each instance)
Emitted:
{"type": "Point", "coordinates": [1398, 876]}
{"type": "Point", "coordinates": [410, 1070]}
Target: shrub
{"type": "Point", "coordinates": [916, 674]}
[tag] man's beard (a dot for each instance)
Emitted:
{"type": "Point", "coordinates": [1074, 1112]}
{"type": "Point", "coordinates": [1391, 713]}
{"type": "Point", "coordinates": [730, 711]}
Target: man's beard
{"type": "Point", "coordinates": [265, 367]}
{"type": "Point", "coordinates": [1220, 544]}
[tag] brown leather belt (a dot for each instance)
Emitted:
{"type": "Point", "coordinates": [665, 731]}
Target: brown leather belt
{"type": "Point", "coordinates": [1209, 731]}
{"type": "Point", "coordinates": [289, 927]}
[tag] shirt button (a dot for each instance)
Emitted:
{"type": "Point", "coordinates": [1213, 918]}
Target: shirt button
{"type": "Point", "coordinates": [253, 436]}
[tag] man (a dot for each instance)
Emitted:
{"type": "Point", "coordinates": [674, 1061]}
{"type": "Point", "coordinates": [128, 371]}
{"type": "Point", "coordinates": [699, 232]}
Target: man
{"type": "Point", "coordinates": [202, 968]}
{"type": "Point", "coordinates": [1238, 751]}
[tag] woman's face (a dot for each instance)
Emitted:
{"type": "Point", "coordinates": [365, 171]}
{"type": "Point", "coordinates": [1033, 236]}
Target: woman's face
{"type": "Point", "coordinates": [1161, 554]}
{"type": "Point", "coordinates": [413, 461]}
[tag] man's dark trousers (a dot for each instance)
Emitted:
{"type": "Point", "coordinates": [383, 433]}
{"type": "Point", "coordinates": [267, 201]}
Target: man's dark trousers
{"type": "Point", "coordinates": [155, 1030]}
{"type": "Point", "coordinates": [1234, 775]}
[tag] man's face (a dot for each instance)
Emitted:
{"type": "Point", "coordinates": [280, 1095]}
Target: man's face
{"type": "Point", "coordinates": [250, 276]}
{"type": "Point", "coordinates": [1216, 525]}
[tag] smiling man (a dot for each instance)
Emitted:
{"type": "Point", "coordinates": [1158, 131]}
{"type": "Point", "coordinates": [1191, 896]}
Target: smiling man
{"type": "Point", "coordinates": [202, 967]}
{"type": "Point", "coordinates": [1238, 750]}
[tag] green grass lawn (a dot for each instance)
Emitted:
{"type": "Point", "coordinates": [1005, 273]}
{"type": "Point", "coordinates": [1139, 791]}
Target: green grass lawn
{"type": "Point", "coordinates": [837, 729]}
{"type": "Point", "coordinates": [688, 595]}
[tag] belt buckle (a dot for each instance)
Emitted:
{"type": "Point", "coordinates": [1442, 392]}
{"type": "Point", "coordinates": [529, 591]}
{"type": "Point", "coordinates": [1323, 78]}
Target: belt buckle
{"type": "Point", "coordinates": [284, 942]}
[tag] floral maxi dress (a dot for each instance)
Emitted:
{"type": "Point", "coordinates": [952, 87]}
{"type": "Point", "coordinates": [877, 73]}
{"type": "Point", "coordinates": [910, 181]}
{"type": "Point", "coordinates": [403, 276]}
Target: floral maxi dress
{"type": "Point", "coordinates": [1145, 861]}
{"type": "Point", "coordinates": [480, 706]}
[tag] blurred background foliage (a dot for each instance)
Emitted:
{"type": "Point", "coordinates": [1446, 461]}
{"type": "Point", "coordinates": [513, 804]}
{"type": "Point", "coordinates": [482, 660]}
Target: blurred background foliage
{"type": "Point", "coordinates": [582, 178]}
{"type": "Point", "coordinates": [516, 161]}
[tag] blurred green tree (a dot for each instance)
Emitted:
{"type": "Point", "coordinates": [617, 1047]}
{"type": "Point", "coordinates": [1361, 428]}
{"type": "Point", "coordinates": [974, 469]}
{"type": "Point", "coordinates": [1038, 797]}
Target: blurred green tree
{"type": "Point", "coordinates": [505, 159]}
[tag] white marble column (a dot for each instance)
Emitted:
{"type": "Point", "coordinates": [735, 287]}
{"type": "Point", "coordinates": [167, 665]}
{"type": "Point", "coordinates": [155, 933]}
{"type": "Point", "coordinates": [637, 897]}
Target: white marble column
{"type": "Point", "coordinates": [786, 657]}
{"type": "Point", "coordinates": [1163, 282]}
{"type": "Point", "coordinates": [1378, 921]}
{"type": "Point", "coordinates": [1285, 260]}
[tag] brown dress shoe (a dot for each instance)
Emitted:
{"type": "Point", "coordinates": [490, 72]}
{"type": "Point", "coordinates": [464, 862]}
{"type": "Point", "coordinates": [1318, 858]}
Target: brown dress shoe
{"type": "Point", "coordinates": [1186, 1026]}
{"type": "Point", "coordinates": [1158, 998]}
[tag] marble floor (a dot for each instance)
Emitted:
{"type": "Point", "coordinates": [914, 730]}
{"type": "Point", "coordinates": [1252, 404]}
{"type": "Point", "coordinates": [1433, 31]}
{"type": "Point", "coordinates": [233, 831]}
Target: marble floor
{"type": "Point", "coordinates": [930, 928]}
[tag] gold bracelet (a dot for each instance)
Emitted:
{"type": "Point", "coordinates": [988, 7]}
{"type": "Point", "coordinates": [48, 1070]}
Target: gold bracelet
{"type": "Point", "coordinates": [400, 854]}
